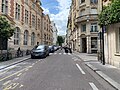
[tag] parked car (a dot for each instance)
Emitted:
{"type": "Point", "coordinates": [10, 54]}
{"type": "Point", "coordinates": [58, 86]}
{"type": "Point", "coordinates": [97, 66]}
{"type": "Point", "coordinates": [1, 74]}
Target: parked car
{"type": "Point", "coordinates": [40, 51]}
{"type": "Point", "coordinates": [51, 49]}
{"type": "Point", "coordinates": [55, 47]}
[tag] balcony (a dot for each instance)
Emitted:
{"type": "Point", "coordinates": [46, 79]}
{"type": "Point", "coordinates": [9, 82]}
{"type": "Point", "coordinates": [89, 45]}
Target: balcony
{"type": "Point", "coordinates": [88, 17]}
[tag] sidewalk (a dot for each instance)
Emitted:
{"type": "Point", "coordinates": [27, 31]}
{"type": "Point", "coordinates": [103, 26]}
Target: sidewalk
{"type": "Point", "coordinates": [14, 61]}
{"type": "Point", "coordinates": [108, 72]}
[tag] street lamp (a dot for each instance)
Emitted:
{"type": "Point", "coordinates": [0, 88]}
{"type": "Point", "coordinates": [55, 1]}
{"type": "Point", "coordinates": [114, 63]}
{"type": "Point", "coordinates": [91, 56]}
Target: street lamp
{"type": "Point", "coordinates": [103, 29]}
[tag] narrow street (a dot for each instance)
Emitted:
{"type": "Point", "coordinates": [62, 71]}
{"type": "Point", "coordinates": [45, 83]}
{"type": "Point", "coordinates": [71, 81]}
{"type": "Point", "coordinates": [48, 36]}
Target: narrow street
{"type": "Point", "coordinates": [59, 71]}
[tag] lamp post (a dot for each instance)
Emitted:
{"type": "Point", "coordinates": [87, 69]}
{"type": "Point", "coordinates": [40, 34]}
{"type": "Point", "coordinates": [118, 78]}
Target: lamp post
{"type": "Point", "coordinates": [103, 29]}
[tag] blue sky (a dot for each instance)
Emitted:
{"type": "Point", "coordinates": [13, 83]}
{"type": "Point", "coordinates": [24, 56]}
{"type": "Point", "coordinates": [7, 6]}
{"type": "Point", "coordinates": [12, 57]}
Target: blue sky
{"type": "Point", "coordinates": [51, 5]}
{"type": "Point", "coordinates": [58, 11]}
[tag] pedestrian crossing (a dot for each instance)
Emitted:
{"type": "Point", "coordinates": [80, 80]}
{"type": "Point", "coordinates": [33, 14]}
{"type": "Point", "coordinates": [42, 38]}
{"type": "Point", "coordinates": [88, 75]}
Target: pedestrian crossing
{"type": "Point", "coordinates": [60, 54]}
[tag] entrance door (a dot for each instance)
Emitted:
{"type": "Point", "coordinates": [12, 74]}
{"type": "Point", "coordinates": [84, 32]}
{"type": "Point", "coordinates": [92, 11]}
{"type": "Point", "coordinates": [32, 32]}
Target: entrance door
{"type": "Point", "coordinates": [84, 45]}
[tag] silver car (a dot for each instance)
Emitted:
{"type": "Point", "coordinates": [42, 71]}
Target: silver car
{"type": "Point", "coordinates": [40, 51]}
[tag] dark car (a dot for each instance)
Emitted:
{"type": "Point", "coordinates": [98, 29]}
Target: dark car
{"type": "Point", "coordinates": [51, 49]}
{"type": "Point", "coordinates": [40, 51]}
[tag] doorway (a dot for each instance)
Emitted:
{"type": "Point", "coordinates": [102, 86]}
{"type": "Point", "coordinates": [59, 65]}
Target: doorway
{"type": "Point", "coordinates": [84, 45]}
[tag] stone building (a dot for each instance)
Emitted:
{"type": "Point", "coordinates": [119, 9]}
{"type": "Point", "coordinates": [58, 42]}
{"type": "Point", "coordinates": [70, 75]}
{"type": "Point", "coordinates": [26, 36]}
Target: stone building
{"type": "Point", "coordinates": [47, 30]}
{"type": "Point", "coordinates": [112, 42]}
{"type": "Point", "coordinates": [27, 18]}
{"type": "Point", "coordinates": [84, 25]}
{"type": "Point", "coordinates": [55, 31]}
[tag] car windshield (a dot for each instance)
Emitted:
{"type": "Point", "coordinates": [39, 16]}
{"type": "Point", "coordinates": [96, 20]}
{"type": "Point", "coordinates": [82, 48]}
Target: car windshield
{"type": "Point", "coordinates": [39, 47]}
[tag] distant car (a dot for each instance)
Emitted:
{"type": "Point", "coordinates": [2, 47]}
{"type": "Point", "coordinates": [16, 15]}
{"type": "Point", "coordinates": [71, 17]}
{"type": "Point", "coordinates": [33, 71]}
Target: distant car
{"type": "Point", "coordinates": [55, 47]}
{"type": "Point", "coordinates": [40, 51]}
{"type": "Point", "coordinates": [51, 49]}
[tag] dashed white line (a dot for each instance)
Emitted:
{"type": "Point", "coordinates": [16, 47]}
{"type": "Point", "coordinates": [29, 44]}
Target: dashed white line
{"type": "Point", "coordinates": [80, 69]}
{"type": "Point", "coordinates": [69, 53]}
{"type": "Point", "coordinates": [93, 86]}
{"type": "Point", "coordinates": [64, 53]}
{"type": "Point", "coordinates": [7, 82]}
{"type": "Point", "coordinates": [55, 53]}
{"type": "Point", "coordinates": [21, 86]}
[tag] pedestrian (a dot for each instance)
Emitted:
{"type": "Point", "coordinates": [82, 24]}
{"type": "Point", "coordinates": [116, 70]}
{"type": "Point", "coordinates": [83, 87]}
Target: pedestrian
{"type": "Point", "coordinates": [66, 49]}
{"type": "Point", "coordinates": [70, 51]}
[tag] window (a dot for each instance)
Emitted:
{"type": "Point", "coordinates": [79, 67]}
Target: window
{"type": "Point", "coordinates": [83, 28]}
{"type": "Point", "coordinates": [17, 36]}
{"type": "Point", "coordinates": [94, 27]}
{"type": "Point", "coordinates": [93, 42]}
{"type": "Point", "coordinates": [82, 1]}
{"type": "Point", "coordinates": [25, 38]}
{"type": "Point", "coordinates": [94, 1]}
{"type": "Point", "coordinates": [33, 5]}
{"type": "Point", "coordinates": [26, 16]}
{"type": "Point", "coordinates": [26, 1]}
{"type": "Point", "coordinates": [93, 11]}
{"type": "Point", "coordinates": [33, 20]}
{"type": "Point", "coordinates": [33, 39]}
{"type": "Point", "coordinates": [17, 13]}
{"type": "Point", "coordinates": [38, 23]}
{"type": "Point", "coordinates": [118, 40]}
{"type": "Point", "coordinates": [5, 6]}
{"type": "Point", "coordinates": [82, 12]}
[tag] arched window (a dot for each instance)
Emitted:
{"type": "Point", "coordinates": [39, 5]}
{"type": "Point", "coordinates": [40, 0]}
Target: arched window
{"type": "Point", "coordinates": [25, 42]}
{"type": "Point", "coordinates": [33, 38]}
{"type": "Point", "coordinates": [17, 36]}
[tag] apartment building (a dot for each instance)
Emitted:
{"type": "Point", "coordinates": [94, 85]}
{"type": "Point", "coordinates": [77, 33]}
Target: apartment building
{"type": "Point", "coordinates": [27, 18]}
{"type": "Point", "coordinates": [55, 31]}
{"type": "Point", "coordinates": [47, 30]}
{"type": "Point", "coordinates": [84, 25]}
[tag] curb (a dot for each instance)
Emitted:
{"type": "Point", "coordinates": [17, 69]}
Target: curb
{"type": "Point", "coordinates": [15, 63]}
{"type": "Point", "coordinates": [92, 67]}
{"type": "Point", "coordinates": [105, 77]}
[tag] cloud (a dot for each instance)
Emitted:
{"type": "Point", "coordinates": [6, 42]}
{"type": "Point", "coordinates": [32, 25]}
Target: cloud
{"type": "Point", "coordinates": [61, 17]}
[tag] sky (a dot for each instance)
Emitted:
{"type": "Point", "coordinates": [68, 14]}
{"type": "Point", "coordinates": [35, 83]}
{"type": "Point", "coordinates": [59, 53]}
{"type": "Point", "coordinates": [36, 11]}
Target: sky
{"type": "Point", "coordinates": [58, 11]}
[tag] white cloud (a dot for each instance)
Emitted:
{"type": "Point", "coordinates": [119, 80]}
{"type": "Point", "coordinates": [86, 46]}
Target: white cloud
{"type": "Point", "coordinates": [61, 18]}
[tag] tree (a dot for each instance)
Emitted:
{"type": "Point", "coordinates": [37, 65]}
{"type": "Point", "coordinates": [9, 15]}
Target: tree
{"type": "Point", "coordinates": [60, 40]}
{"type": "Point", "coordinates": [110, 14]}
{"type": "Point", "coordinates": [6, 31]}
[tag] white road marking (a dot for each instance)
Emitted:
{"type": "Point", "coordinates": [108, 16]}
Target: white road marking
{"type": "Point", "coordinates": [13, 74]}
{"type": "Point", "coordinates": [19, 74]}
{"type": "Point", "coordinates": [33, 64]}
{"type": "Point", "coordinates": [21, 86]}
{"type": "Point", "coordinates": [51, 53]}
{"type": "Point", "coordinates": [7, 82]}
{"type": "Point", "coordinates": [64, 53]}
{"type": "Point", "coordinates": [69, 53]}
{"type": "Point", "coordinates": [93, 86]}
{"type": "Point", "coordinates": [55, 53]}
{"type": "Point", "coordinates": [80, 69]}
{"type": "Point", "coordinates": [60, 53]}
{"type": "Point", "coordinates": [30, 66]}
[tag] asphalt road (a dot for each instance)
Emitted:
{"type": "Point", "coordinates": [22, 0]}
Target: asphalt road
{"type": "Point", "coordinates": [59, 71]}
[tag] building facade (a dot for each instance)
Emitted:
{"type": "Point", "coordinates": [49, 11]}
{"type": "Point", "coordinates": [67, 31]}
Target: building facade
{"type": "Point", "coordinates": [55, 31]}
{"type": "Point", "coordinates": [28, 20]}
{"type": "Point", "coordinates": [84, 25]}
{"type": "Point", "coordinates": [112, 42]}
{"type": "Point", "coordinates": [47, 30]}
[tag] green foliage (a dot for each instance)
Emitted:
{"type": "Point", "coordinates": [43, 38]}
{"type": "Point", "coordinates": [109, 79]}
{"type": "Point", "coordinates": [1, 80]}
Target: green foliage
{"type": "Point", "coordinates": [6, 31]}
{"type": "Point", "coordinates": [110, 14]}
{"type": "Point", "coordinates": [60, 40]}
